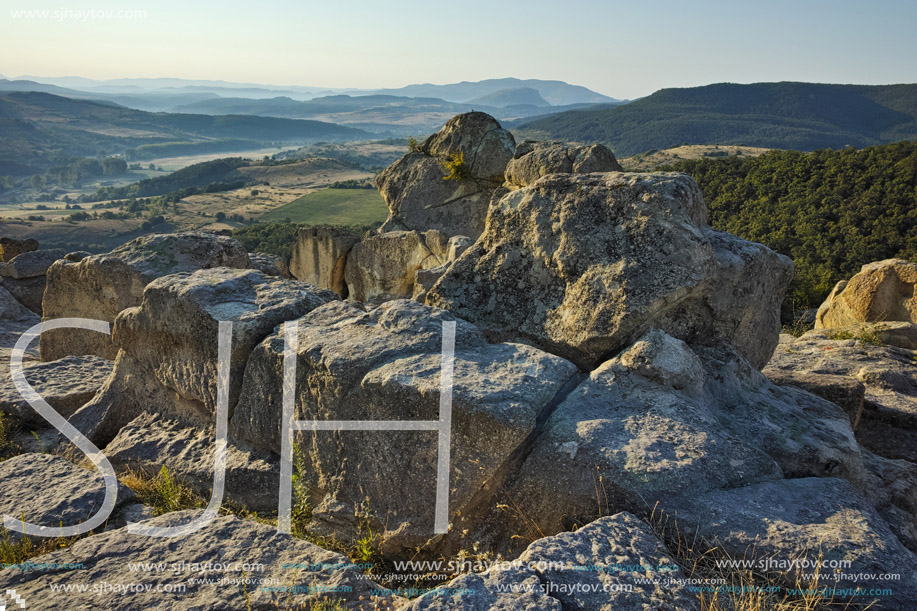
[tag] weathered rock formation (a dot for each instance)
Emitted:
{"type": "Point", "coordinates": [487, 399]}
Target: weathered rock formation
{"type": "Point", "coordinates": [384, 364]}
{"type": "Point", "coordinates": [532, 160]}
{"type": "Point", "coordinates": [418, 196]}
{"type": "Point", "coordinates": [387, 266]}
{"type": "Point", "coordinates": [101, 286]}
{"type": "Point", "coordinates": [320, 254]}
{"type": "Point", "coordinates": [663, 419]}
{"type": "Point", "coordinates": [583, 265]}
{"type": "Point", "coordinates": [168, 344]}
{"type": "Point", "coordinates": [881, 291]}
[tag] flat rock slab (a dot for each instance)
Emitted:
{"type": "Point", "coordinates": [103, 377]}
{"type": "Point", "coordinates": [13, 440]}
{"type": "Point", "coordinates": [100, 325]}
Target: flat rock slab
{"type": "Point", "coordinates": [800, 519]}
{"type": "Point", "coordinates": [66, 384]}
{"type": "Point", "coordinates": [224, 554]}
{"type": "Point", "coordinates": [75, 496]}
{"type": "Point", "coordinates": [613, 563]}
{"type": "Point", "coordinates": [826, 365]}
{"type": "Point", "coordinates": [151, 442]}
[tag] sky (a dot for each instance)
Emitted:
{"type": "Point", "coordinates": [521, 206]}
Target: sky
{"type": "Point", "coordinates": [622, 49]}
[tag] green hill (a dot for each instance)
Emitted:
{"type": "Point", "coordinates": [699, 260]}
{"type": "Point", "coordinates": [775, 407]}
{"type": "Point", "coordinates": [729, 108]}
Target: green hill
{"type": "Point", "coordinates": [39, 129]}
{"type": "Point", "coordinates": [830, 211]}
{"type": "Point", "coordinates": [799, 116]}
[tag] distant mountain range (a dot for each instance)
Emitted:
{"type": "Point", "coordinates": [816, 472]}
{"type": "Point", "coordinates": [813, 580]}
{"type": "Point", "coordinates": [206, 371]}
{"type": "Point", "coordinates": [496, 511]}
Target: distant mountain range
{"type": "Point", "coordinates": [39, 129]}
{"type": "Point", "coordinates": [384, 113]}
{"type": "Point", "coordinates": [800, 116]}
{"type": "Point", "coordinates": [556, 93]}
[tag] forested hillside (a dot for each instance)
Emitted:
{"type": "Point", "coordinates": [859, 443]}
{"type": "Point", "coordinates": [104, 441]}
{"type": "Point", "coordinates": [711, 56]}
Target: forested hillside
{"type": "Point", "coordinates": [831, 211]}
{"type": "Point", "coordinates": [800, 116]}
{"type": "Point", "coordinates": [38, 130]}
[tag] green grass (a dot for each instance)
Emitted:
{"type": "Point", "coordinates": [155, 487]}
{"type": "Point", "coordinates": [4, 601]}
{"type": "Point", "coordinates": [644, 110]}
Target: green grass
{"type": "Point", "coordinates": [333, 207]}
{"type": "Point", "coordinates": [163, 492]}
{"type": "Point", "coordinates": [8, 447]}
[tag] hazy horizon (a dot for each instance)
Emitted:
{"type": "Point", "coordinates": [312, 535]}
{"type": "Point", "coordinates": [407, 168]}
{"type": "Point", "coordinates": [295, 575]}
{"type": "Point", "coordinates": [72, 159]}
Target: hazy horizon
{"type": "Point", "coordinates": [617, 49]}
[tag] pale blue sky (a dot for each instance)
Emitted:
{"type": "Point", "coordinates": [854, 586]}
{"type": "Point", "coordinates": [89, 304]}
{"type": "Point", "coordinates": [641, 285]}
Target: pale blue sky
{"type": "Point", "coordinates": [622, 49]}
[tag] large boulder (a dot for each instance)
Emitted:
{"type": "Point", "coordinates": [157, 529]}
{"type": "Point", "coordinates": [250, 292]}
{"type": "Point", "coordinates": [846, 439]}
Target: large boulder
{"type": "Point", "coordinates": [383, 267]}
{"type": "Point", "coordinates": [384, 364]}
{"type": "Point", "coordinates": [66, 384]}
{"type": "Point", "coordinates": [613, 563]}
{"type": "Point", "coordinates": [169, 343]}
{"type": "Point", "coordinates": [75, 496]}
{"type": "Point", "coordinates": [532, 160]}
{"type": "Point", "coordinates": [228, 564]}
{"type": "Point", "coordinates": [31, 264]}
{"type": "Point", "coordinates": [807, 520]}
{"type": "Point", "coordinates": [583, 265]}
{"type": "Point", "coordinates": [883, 290]}
{"type": "Point", "coordinates": [662, 419]}
{"type": "Point", "coordinates": [417, 193]}
{"type": "Point", "coordinates": [319, 256]}
{"type": "Point", "coordinates": [11, 247]}
{"type": "Point", "coordinates": [101, 286]}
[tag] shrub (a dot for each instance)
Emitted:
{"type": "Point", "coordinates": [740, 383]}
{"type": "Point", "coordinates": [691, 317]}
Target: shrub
{"type": "Point", "coordinates": [456, 166]}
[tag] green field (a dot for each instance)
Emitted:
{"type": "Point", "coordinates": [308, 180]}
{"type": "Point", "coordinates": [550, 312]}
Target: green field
{"type": "Point", "coordinates": [333, 207]}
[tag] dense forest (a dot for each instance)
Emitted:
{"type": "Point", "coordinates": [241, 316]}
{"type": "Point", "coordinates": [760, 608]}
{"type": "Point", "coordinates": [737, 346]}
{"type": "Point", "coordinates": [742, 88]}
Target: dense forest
{"type": "Point", "coordinates": [799, 116]}
{"type": "Point", "coordinates": [831, 211]}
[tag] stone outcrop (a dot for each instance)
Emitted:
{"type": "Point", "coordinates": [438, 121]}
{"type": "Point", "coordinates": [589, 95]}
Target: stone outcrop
{"type": "Point", "coordinates": [532, 160]}
{"type": "Point", "coordinates": [883, 290]}
{"type": "Point", "coordinates": [320, 254]}
{"type": "Point", "coordinates": [384, 364]}
{"type": "Point", "coordinates": [607, 565]}
{"type": "Point", "coordinates": [66, 384]}
{"type": "Point", "coordinates": [663, 419]}
{"type": "Point", "coordinates": [168, 344]}
{"type": "Point", "coordinates": [418, 196]}
{"type": "Point", "coordinates": [75, 496]}
{"type": "Point", "coordinates": [583, 265]}
{"type": "Point", "coordinates": [212, 564]}
{"type": "Point", "coordinates": [11, 247]}
{"type": "Point", "coordinates": [384, 266]}
{"type": "Point", "coordinates": [101, 286]}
